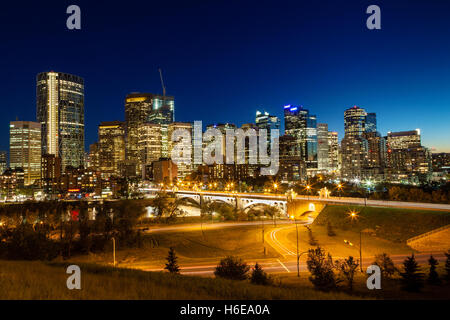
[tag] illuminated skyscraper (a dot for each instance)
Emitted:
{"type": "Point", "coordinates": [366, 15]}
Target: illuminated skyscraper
{"type": "Point", "coordinates": [408, 160]}
{"type": "Point", "coordinates": [264, 120]}
{"type": "Point", "coordinates": [323, 148]}
{"type": "Point", "coordinates": [301, 125]}
{"type": "Point", "coordinates": [3, 161]}
{"type": "Point", "coordinates": [355, 121]}
{"type": "Point", "coordinates": [25, 149]}
{"type": "Point", "coordinates": [149, 147]}
{"type": "Point", "coordinates": [60, 110]}
{"type": "Point", "coordinates": [143, 108]}
{"type": "Point", "coordinates": [333, 149]}
{"type": "Point", "coordinates": [184, 169]}
{"type": "Point", "coordinates": [371, 122]}
{"type": "Point", "coordinates": [111, 146]}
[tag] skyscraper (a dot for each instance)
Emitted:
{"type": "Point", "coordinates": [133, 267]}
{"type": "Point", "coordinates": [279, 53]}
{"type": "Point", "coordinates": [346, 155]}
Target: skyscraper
{"type": "Point", "coordinates": [355, 121]}
{"type": "Point", "coordinates": [371, 122]}
{"type": "Point", "coordinates": [323, 148]}
{"type": "Point", "coordinates": [264, 120]}
{"type": "Point", "coordinates": [300, 124]}
{"type": "Point", "coordinates": [143, 108]}
{"type": "Point", "coordinates": [3, 161]}
{"type": "Point", "coordinates": [25, 149]}
{"type": "Point", "coordinates": [333, 150]}
{"type": "Point", "coordinates": [354, 146]}
{"type": "Point", "coordinates": [60, 110]}
{"type": "Point", "coordinates": [149, 147]}
{"type": "Point", "coordinates": [408, 160]}
{"type": "Point", "coordinates": [184, 169]}
{"type": "Point", "coordinates": [111, 146]}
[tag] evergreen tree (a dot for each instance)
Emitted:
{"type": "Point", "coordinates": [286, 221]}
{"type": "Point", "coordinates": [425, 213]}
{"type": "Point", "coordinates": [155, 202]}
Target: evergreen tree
{"type": "Point", "coordinates": [447, 266]}
{"type": "Point", "coordinates": [386, 265]}
{"type": "Point", "coordinates": [172, 265]}
{"type": "Point", "coordinates": [259, 276]}
{"type": "Point", "coordinates": [433, 277]}
{"type": "Point", "coordinates": [412, 279]}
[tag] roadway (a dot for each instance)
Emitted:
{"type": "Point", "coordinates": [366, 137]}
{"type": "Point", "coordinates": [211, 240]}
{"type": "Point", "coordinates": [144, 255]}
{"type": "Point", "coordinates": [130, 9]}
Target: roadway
{"type": "Point", "coordinates": [286, 263]}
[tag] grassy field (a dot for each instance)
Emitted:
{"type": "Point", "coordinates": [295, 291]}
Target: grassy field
{"type": "Point", "coordinates": [395, 225]}
{"type": "Point", "coordinates": [190, 246]}
{"type": "Point", "coordinates": [390, 289]}
{"type": "Point", "coordinates": [371, 245]}
{"type": "Point", "coordinates": [36, 280]}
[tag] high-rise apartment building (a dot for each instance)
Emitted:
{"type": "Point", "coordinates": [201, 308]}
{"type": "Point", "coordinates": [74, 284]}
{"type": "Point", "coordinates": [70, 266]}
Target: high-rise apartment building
{"type": "Point", "coordinates": [25, 149]}
{"type": "Point", "coordinates": [300, 124]}
{"type": "Point", "coordinates": [111, 146]}
{"type": "Point", "coordinates": [60, 110]}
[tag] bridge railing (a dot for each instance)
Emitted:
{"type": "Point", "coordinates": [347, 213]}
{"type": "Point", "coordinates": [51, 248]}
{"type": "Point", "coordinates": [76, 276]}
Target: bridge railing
{"type": "Point", "coordinates": [426, 234]}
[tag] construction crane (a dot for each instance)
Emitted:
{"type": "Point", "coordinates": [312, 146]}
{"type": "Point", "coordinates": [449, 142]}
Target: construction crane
{"type": "Point", "coordinates": [163, 87]}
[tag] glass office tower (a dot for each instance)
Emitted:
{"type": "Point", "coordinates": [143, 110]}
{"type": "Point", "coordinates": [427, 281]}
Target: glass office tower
{"type": "Point", "coordinates": [60, 110]}
{"type": "Point", "coordinates": [301, 125]}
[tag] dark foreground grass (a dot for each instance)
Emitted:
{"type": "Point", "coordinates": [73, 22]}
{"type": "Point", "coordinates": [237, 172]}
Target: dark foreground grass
{"type": "Point", "coordinates": [36, 280]}
{"type": "Point", "coordinates": [389, 223]}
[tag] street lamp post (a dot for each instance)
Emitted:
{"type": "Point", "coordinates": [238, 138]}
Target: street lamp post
{"type": "Point", "coordinates": [298, 252]}
{"type": "Point", "coordinates": [298, 256]}
{"type": "Point", "coordinates": [114, 251]}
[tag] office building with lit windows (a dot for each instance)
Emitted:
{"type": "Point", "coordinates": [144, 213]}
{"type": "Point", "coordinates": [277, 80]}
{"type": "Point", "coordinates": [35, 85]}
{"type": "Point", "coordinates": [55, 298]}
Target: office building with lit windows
{"type": "Point", "coordinates": [25, 149]}
{"type": "Point", "coordinates": [111, 147]}
{"type": "Point", "coordinates": [323, 149]}
{"type": "Point", "coordinates": [3, 161]}
{"type": "Point", "coordinates": [184, 161]}
{"type": "Point", "coordinates": [141, 108]}
{"type": "Point", "coordinates": [149, 147]}
{"type": "Point", "coordinates": [408, 161]}
{"type": "Point", "coordinates": [302, 125]}
{"type": "Point", "coordinates": [60, 110]}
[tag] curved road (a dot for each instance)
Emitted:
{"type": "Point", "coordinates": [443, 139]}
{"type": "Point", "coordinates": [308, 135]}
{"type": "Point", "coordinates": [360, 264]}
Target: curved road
{"type": "Point", "coordinates": [288, 256]}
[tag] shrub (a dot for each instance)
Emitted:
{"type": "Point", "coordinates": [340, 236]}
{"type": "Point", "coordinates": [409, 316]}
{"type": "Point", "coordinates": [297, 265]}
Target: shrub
{"type": "Point", "coordinates": [232, 268]}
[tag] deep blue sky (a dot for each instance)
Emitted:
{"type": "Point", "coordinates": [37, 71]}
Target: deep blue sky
{"type": "Point", "coordinates": [223, 60]}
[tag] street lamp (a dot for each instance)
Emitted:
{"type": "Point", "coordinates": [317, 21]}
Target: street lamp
{"type": "Point", "coordinates": [308, 187]}
{"type": "Point", "coordinates": [354, 216]}
{"type": "Point", "coordinates": [114, 251]}
{"type": "Point", "coordinates": [296, 230]}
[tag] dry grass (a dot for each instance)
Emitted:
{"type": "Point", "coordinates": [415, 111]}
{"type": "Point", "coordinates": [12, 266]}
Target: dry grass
{"type": "Point", "coordinates": [36, 280]}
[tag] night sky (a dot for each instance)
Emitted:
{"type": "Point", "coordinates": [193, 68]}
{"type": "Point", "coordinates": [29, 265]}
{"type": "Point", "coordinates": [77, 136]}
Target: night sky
{"type": "Point", "coordinates": [223, 60]}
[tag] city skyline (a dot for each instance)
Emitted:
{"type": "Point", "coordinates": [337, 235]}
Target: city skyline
{"type": "Point", "coordinates": [321, 56]}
